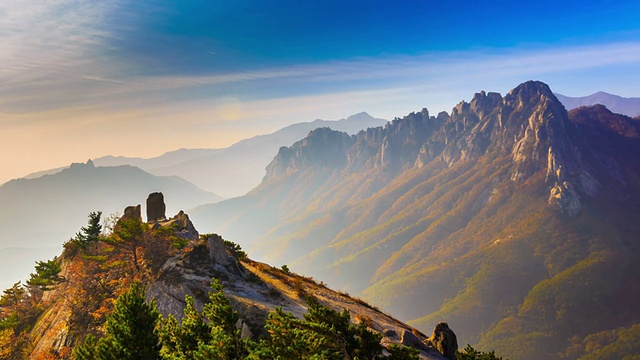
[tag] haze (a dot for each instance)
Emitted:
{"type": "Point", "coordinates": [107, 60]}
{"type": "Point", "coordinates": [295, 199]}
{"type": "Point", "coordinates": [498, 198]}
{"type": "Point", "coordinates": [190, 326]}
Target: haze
{"type": "Point", "coordinates": [81, 79]}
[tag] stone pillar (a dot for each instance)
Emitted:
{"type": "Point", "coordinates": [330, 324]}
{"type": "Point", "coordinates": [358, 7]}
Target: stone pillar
{"type": "Point", "coordinates": [156, 207]}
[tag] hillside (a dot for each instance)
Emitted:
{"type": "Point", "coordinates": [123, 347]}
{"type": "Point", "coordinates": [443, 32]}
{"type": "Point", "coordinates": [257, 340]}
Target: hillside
{"type": "Point", "coordinates": [36, 213]}
{"type": "Point", "coordinates": [615, 103]}
{"type": "Point", "coordinates": [75, 293]}
{"type": "Point", "coordinates": [511, 218]}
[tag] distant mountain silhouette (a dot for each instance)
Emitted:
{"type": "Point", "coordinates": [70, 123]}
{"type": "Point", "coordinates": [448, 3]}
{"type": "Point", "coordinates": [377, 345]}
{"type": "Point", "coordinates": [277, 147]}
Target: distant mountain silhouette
{"type": "Point", "coordinates": [615, 103]}
{"type": "Point", "coordinates": [237, 169]}
{"type": "Point", "coordinates": [512, 219]}
{"type": "Point", "coordinates": [45, 212]}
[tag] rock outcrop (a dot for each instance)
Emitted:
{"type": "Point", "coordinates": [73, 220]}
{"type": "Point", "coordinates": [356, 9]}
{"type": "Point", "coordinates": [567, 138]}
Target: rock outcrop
{"type": "Point", "coordinates": [132, 212]}
{"type": "Point", "coordinates": [155, 207]}
{"type": "Point", "coordinates": [181, 225]}
{"type": "Point", "coordinates": [218, 252]}
{"type": "Point", "coordinates": [444, 340]}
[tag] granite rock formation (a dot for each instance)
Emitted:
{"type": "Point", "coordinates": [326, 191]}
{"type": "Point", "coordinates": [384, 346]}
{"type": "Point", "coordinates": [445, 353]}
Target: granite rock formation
{"type": "Point", "coordinates": [444, 340]}
{"type": "Point", "coordinates": [155, 207]}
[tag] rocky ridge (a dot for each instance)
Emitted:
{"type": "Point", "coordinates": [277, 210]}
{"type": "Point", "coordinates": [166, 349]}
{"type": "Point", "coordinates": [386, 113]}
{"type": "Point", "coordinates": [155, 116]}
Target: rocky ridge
{"type": "Point", "coordinates": [254, 288]}
{"type": "Point", "coordinates": [529, 124]}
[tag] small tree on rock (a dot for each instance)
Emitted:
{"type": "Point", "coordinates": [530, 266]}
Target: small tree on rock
{"type": "Point", "coordinates": [90, 233]}
{"type": "Point", "coordinates": [46, 275]}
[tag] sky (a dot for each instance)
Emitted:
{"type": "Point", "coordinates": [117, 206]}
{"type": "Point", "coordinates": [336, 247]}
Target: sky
{"type": "Point", "coordinates": [81, 79]}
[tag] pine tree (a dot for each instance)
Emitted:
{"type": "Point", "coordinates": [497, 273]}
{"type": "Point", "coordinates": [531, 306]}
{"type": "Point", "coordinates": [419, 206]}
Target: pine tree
{"type": "Point", "coordinates": [323, 334]}
{"type": "Point", "coordinates": [218, 310]}
{"type": "Point", "coordinates": [469, 353]}
{"type": "Point", "coordinates": [128, 236]}
{"type": "Point", "coordinates": [90, 233]}
{"type": "Point", "coordinates": [13, 296]}
{"type": "Point", "coordinates": [131, 329]}
{"type": "Point", "coordinates": [46, 275]}
{"type": "Point", "coordinates": [180, 339]}
{"type": "Point", "coordinates": [86, 350]}
{"type": "Point", "coordinates": [211, 334]}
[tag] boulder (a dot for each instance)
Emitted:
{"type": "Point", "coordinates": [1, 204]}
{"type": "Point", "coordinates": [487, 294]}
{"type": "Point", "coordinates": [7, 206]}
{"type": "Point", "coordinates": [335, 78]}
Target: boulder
{"type": "Point", "coordinates": [155, 207]}
{"type": "Point", "coordinates": [218, 252]}
{"type": "Point", "coordinates": [411, 340]}
{"type": "Point", "coordinates": [185, 227]}
{"type": "Point", "coordinates": [132, 212]}
{"type": "Point", "coordinates": [444, 340]}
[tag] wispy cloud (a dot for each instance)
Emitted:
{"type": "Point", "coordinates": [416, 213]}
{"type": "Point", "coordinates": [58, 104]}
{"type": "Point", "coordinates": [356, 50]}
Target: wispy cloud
{"type": "Point", "coordinates": [62, 74]}
{"type": "Point", "coordinates": [59, 53]}
{"type": "Point", "coordinates": [458, 74]}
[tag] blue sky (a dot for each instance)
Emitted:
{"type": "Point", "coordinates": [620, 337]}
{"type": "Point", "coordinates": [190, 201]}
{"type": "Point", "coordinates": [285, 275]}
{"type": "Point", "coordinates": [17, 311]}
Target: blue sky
{"type": "Point", "coordinates": [86, 78]}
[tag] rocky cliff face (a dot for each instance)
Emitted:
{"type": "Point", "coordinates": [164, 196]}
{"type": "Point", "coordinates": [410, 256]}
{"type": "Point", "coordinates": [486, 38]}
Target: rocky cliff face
{"type": "Point", "coordinates": [323, 147]}
{"type": "Point", "coordinates": [528, 124]}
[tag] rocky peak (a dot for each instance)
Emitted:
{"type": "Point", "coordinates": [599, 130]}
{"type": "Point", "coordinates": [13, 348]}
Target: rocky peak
{"type": "Point", "coordinates": [483, 103]}
{"type": "Point", "coordinates": [156, 207]}
{"type": "Point", "coordinates": [132, 212]}
{"type": "Point", "coordinates": [530, 91]}
{"type": "Point", "coordinates": [322, 147]}
{"type": "Point", "coordinates": [529, 125]}
{"type": "Point", "coordinates": [81, 167]}
{"type": "Point", "coordinates": [404, 137]}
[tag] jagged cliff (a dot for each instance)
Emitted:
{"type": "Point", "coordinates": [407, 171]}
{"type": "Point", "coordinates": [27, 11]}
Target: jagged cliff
{"type": "Point", "coordinates": [529, 124]}
{"type": "Point", "coordinates": [485, 217]}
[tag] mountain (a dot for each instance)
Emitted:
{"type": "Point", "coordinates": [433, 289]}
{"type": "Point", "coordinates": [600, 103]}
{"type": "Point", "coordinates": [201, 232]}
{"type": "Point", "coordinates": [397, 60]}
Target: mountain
{"type": "Point", "coordinates": [615, 103]}
{"type": "Point", "coordinates": [36, 213]}
{"type": "Point", "coordinates": [512, 218]}
{"type": "Point", "coordinates": [232, 171]}
{"type": "Point", "coordinates": [77, 292]}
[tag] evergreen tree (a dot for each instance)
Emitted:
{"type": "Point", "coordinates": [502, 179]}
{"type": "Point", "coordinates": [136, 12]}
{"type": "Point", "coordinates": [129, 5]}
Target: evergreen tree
{"type": "Point", "coordinates": [218, 309]}
{"type": "Point", "coordinates": [13, 296]}
{"type": "Point", "coordinates": [290, 338]}
{"type": "Point", "coordinates": [128, 236]}
{"type": "Point", "coordinates": [211, 334]}
{"type": "Point", "coordinates": [90, 233]}
{"type": "Point", "coordinates": [469, 353]}
{"type": "Point", "coordinates": [181, 340]}
{"type": "Point", "coordinates": [323, 334]}
{"type": "Point", "coordinates": [131, 329]}
{"type": "Point", "coordinates": [86, 350]}
{"type": "Point", "coordinates": [46, 274]}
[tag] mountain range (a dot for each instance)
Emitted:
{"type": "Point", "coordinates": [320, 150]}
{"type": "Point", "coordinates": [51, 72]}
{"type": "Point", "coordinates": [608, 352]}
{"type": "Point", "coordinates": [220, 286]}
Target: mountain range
{"type": "Point", "coordinates": [615, 103]}
{"type": "Point", "coordinates": [103, 185]}
{"type": "Point", "coordinates": [511, 218]}
{"type": "Point", "coordinates": [234, 170]}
